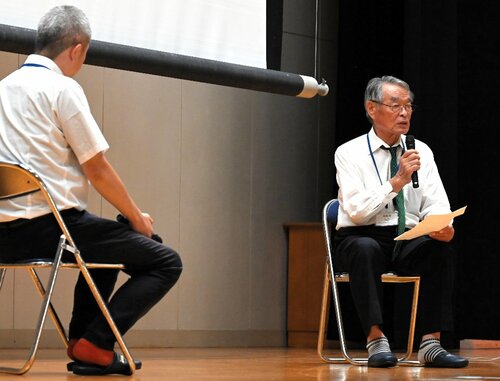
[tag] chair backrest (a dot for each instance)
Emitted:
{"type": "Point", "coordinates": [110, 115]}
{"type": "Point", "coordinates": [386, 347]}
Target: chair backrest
{"type": "Point", "coordinates": [18, 180]}
{"type": "Point", "coordinates": [332, 211]}
{"type": "Point", "coordinates": [330, 214]}
{"type": "Point", "coordinates": [15, 180]}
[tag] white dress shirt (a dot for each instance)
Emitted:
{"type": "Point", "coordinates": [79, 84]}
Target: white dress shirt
{"type": "Point", "coordinates": [364, 196]}
{"type": "Point", "coordinates": [46, 124]}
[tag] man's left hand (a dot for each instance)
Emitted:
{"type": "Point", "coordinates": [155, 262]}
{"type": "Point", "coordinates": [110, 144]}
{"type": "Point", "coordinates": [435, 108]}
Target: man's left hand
{"type": "Point", "coordinates": [446, 234]}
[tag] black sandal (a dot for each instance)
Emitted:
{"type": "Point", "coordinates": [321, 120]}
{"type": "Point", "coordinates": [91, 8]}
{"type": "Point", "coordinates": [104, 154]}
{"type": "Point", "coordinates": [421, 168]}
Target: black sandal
{"type": "Point", "coordinates": [119, 365]}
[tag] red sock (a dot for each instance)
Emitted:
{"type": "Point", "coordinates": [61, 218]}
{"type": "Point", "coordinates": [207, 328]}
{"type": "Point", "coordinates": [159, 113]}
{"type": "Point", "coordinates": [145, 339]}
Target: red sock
{"type": "Point", "coordinates": [87, 352]}
{"type": "Point", "coordinates": [69, 350]}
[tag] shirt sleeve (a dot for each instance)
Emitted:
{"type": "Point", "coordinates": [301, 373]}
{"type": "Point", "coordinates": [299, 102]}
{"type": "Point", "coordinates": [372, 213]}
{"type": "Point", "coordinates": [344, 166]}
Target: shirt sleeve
{"type": "Point", "coordinates": [362, 195]}
{"type": "Point", "coordinates": [80, 129]}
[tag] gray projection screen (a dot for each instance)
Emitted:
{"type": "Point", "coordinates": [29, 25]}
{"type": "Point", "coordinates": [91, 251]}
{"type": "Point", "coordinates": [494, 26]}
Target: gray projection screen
{"type": "Point", "coordinates": [221, 42]}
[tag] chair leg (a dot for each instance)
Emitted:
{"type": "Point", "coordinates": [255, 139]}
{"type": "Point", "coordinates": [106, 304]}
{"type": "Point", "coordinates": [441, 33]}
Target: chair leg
{"type": "Point", "coordinates": [325, 306]}
{"type": "Point", "coordinates": [330, 281]}
{"type": "Point", "coordinates": [324, 317]}
{"type": "Point", "coordinates": [2, 277]}
{"type": "Point", "coordinates": [52, 311]}
{"type": "Point", "coordinates": [43, 314]}
{"type": "Point", "coordinates": [411, 333]}
{"type": "Point", "coordinates": [104, 309]}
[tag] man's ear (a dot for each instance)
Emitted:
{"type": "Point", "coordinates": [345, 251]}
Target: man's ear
{"type": "Point", "coordinates": [370, 108]}
{"type": "Point", "coordinates": [76, 51]}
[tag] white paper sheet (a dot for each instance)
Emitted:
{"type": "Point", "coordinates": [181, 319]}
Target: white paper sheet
{"type": "Point", "coordinates": [431, 224]}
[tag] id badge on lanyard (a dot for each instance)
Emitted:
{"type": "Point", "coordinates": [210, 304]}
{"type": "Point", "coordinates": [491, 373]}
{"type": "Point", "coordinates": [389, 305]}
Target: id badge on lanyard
{"type": "Point", "coordinates": [386, 218]}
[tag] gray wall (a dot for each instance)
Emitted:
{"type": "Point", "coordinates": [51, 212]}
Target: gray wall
{"type": "Point", "coordinates": [221, 170]}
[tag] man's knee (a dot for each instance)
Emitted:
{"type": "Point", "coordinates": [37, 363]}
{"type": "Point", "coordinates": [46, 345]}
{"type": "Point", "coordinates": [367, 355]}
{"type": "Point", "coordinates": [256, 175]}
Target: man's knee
{"type": "Point", "coordinates": [438, 252]}
{"type": "Point", "coordinates": [177, 267]}
{"type": "Point", "coordinates": [361, 253]}
{"type": "Point", "coordinates": [365, 249]}
{"type": "Point", "coordinates": [172, 265]}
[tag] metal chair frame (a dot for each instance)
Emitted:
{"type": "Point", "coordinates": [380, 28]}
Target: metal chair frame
{"type": "Point", "coordinates": [330, 212]}
{"type": "Point", "coordinates": [17, 180]}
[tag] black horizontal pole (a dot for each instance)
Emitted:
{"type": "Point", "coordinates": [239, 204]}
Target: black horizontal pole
{"type": "Point", "coordinates": [21, 40]}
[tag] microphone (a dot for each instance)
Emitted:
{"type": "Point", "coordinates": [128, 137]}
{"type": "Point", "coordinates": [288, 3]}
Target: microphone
{"type": "Point", "coordinates": [410, 144]}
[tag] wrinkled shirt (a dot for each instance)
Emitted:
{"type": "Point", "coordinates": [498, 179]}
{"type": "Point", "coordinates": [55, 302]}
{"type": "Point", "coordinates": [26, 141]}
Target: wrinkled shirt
{"type": "Point", "coordinates": [46, 124]}
{"type": "Point", "coordinates": [363, 194]}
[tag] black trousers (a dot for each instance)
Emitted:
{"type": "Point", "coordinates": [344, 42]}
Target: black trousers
{"type": "Point", "coordinates": [367, 252]}
{"type": "Point", "coordinates": [153, 268]}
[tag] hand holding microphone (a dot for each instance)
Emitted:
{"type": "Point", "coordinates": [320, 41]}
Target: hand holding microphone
{"type": "Point", "coordinates": [410, 144]}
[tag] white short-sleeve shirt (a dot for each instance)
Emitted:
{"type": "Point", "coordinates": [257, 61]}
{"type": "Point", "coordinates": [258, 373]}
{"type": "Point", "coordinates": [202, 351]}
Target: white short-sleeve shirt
{"type": "Point", "coordinates": [363, 174]}
{"type": "Point", "coordinates": [46, 124]}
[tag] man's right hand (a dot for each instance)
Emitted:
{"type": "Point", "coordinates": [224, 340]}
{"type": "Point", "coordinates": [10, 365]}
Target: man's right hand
{"type": "Point", "coordinates": [409, 163]}
{"type": "Point", "coordinates": [143, 224]}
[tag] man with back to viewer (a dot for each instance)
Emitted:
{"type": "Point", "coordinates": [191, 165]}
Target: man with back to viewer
{"type": "Point", "coordinates": [46, 124]}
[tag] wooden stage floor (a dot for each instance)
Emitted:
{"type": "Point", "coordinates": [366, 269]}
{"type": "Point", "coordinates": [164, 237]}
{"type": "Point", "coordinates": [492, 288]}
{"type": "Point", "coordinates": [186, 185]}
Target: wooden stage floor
{"type": "Point", "coordinates": [259, 364]}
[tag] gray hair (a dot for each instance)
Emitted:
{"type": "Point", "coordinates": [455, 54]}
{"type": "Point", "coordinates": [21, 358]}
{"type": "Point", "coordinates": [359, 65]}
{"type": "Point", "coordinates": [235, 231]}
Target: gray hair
{"type": "Point", "coordinates": [374, 89]}
{"type": "Point", "coordinates": [61, 27]}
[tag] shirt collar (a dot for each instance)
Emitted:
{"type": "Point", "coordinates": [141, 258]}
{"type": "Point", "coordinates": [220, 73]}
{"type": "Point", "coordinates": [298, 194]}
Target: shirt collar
{"type": "Point", "coordinates": [45, 61]}
{"type": "Point", "coordinates": [376, 142]}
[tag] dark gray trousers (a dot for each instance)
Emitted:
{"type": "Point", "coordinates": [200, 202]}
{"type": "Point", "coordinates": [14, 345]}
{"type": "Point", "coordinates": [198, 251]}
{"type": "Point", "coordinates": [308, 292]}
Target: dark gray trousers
{"type": "Point", "coordinates": [153, 268]}
{"type": "Point", "coordinates": [367, 252]}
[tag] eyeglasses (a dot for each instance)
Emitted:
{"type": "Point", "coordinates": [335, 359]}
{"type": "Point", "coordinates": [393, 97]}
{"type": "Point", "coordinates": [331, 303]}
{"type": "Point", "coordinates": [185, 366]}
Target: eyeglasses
{"type": "Point", "coordinates": [409, 107]}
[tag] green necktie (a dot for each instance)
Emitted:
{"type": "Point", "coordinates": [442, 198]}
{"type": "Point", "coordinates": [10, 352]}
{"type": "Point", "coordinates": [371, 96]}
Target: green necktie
{"type": "Point", "coordinates": [399, 199]}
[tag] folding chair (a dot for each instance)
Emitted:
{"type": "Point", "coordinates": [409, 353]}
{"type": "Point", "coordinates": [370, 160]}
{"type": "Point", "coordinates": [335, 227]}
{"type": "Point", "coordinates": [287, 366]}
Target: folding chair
{"type": "Point", "coordinates": [330, 212]}
{"type": "Point", "coordinates": [18, 180]}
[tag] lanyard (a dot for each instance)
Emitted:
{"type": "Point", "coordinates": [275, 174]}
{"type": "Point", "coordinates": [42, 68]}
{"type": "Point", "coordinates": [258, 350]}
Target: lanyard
{"type": "Point", "coordinates": [373, 157]}
{"type": "Point", "coordinates": [35, 65]}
